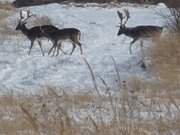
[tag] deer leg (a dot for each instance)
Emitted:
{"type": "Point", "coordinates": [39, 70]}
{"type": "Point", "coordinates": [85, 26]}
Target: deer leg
{"type": "Point", "coordinates": [62, 50]}
{"type": "Point", "coordinates": [40, 45]}
{"type": "Point", "coordinates": [54, 44]}
{"type": "Point", "coordinates": [55, 47]}
{"type": "Point", "coordinates": [142, 51]}
{"type": "Point", "coordinates": [50, 50]}
{"type": "Point", "coordinates": [130, 47]}
{"type": "Point", "coordinates": [79, 44]}
{"type": "Point", "coordinates": [74, 46]}
{"type": "Point", "coordinates": [59, 48]}
{"type": "Point", "coordinates": [143, 65]}
{"type": "Point", "coordinates": [32, 43]}
{"type": "Point", "coordinates": [59, 44]}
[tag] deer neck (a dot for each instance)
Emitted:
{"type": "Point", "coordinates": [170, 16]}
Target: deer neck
{"type": "Point", "coordinates": [25, 30]}
{"type": "Point", "coordinates": [127, 31]}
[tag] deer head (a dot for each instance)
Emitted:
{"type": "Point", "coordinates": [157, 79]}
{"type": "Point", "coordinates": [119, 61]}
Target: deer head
{"type": "Point", "coordinates": [122, 26]}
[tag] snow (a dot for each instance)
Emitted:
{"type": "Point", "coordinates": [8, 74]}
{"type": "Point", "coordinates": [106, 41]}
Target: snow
{"type": "Point", "coordinates": [162, 5]}
{"type": "Point", "coordinates": [100, 43]}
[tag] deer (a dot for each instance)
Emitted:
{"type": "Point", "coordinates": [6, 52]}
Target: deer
{"type": "Point", "coordinates": [36, 32]}
{"type": "Point", "coordinates": [138, 32]}
{"type": "Point", "coordinates": [71, 34]}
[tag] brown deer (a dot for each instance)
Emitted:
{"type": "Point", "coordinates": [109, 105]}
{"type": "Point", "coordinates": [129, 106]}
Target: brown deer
{"type": "Point", "coordinates": [71, 34]}
{"type": "Point", "coordinates": [35, 32]}
{"type": "Point", "coordinates": [138, 32]}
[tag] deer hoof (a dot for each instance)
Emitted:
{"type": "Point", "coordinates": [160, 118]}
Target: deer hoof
{"type": "Point", "coordinates": [143, 65]}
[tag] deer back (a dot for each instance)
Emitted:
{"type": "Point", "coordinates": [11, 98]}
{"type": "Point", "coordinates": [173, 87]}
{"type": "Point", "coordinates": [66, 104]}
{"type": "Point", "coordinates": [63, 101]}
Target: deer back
{"type": "Point", "coordinates": [66, 33]}
{"type": "Point", "coordinates": [38, 31]}
{"type": "Point", "coordinates": [146, 31]}
{"type": "Point", "coordinates": [140, 31]}
{"type": "Point", "coordinates": [46, 30]}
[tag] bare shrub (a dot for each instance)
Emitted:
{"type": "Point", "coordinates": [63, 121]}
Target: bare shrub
{"type": "Point", "coordinates": [173, 21]}
{"type": "Point", "coordinates": [171, 3]}
{"type": "Point", "coordinates": [43, 20]}
{"type": "Point", "coordinates": [172, 18]}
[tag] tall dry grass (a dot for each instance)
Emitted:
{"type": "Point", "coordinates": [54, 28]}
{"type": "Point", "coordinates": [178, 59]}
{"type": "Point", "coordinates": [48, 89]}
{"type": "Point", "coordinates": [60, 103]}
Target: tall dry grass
{"type": "Point", "coordinates": [165, 58]}
{"type": "Point", "coordinates": [138, 108]}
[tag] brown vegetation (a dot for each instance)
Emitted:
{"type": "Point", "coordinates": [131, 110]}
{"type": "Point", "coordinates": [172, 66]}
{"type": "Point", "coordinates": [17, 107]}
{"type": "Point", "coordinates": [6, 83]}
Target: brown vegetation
{"type": "Point", "coordinates": [139, 109]}
{"type": "Point", "coordinates": [5, 11]}
{"type": "Point", "coordinates": [6, 6]}
{"type": "Point", "coordinates": [165, 58]}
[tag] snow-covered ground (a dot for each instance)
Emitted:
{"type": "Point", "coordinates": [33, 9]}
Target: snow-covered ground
{"type": "Point", "coordinates": [21, 72]}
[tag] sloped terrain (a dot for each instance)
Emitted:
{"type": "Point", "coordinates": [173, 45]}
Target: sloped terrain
{"type": "Point", "coordinates": [100, 43]}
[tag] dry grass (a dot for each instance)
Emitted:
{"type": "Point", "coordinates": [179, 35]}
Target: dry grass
{"type": "Point", "coordinates": [5, 11]}
{"type": "Point", "coordinates": [164, 56]}
{"type": "Point", "coordinates": [53, 113]}
{"type": "Point", "coordinates": [6, 6]}
{"type": "Point", "coordinates": [3, 15]}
